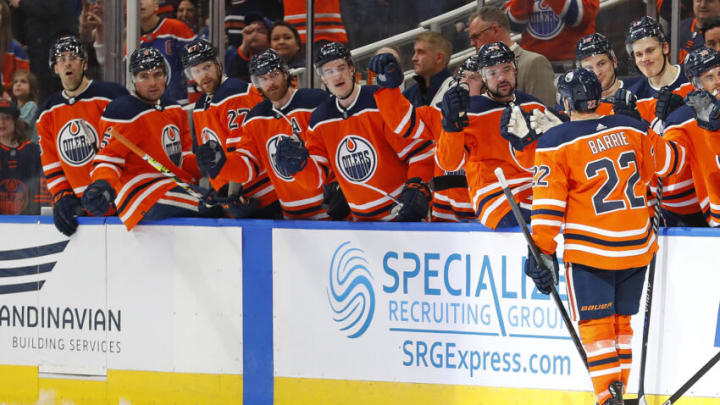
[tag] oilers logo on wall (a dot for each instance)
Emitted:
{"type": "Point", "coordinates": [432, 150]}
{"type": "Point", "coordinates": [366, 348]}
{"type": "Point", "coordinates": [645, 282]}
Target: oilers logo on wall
{"type": "Point", "coordinates": [77, 142]}
{"type": "Point", "coordinates": [356, 159]}
{"type": "Point", "coordinates": [171, 144]}
{"type": "Point", "coordinates": [271, 147]}
{"type": "Point", "coordinates": [544, 23]}
{"type": "Point", "coordinates": [207, 134]}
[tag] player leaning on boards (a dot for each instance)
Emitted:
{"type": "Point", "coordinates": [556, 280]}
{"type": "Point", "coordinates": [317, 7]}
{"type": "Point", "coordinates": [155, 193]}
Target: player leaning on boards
{"type": "Point", "coordinates": [591, 175]}
{"type": "Point", "coordinates": [477, 142]}
{"type": "Point", "coordinates": [217, 118]}
{"type": "Point", "coordinates": [159, 127]}
{"type": "Point", "coordinates": [68, 126]}
{"type": "Point", "coordinates": [285, 112]}
{"type": "Point", "coordinates": [696, 126]}
{"type": "Point", "coordinates": [375, 168]}
{"type": "Point", "coordinates": [450, 199]}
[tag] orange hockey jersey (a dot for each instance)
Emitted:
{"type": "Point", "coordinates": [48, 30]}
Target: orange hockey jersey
{"type": "Point", "coordinates": [450, 194]}
{"type": "Point", "coordinates": [220, 118]}
{"type": "Point", "coordinates": [328, 20]}
{"type": "Point", "coordinates": [591, 180]}
{"type": "Point", "coordinates": [251, 154]}
{"type": "Point", "coordinates": [68, 130]}
{"type": "Point", "coordinates": [370, 161]}
{"type": "Point", "coordinates": [480, 149]}
{"type": "Point", "coordinates": [703, 156]}
{"type": "Point", "coordinates": [159, 130]}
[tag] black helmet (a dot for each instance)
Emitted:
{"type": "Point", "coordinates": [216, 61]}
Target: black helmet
{"type": "Point", "coordinates": [332, 51]}
{"type": "Point", "coordinates": [642, 28]}
{"type": "Point", "coordinates": [146, 59]}
{"type": "Point", "coordinates": [67, 43]}
{"type": "Point", "coordinates": [581, 88]}
{"type": "Point", "coordinates": [495, 54]}
{"type": "Point", "coordinates": [593, 44]}
{"type": "Point", "coordinates": [699, 61]}
{"type": "Point", "coordinates": [264, 63]}
{"type": "Point", "coordinates": [197, 52]}
{"type": "Point", "coordinates": [471, 64]}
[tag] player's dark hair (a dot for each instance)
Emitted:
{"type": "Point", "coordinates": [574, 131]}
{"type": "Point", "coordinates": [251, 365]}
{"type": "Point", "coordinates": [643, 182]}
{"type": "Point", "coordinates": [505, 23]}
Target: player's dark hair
{"type": "Point", "coordinates": [709, 24]}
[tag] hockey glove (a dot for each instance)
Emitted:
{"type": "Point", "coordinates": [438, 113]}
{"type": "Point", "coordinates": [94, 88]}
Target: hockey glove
{"type": "Point", "coordinates": [624, 104]}
{"type": "Point", "coordinates": [415, 199]}
{"type": "Point", "coordinates": [98, 198]}
{"type": "Point", "coordinates": [290, 156]}
{"type": "Point", "coordinates": [334, 202]}
{"type": "Point", "coordinates": [515, 127]}
{"type": "Point", "coordinates": [237, 207]}
{"type": "Point", "coordinates": [667, 102]}
{"type": "Point", "coordinates": [707, 109]}
{"type": "Point", "coordinates": [387, 68]}
{"type": "Point", "coordinates": [541, 122]}
{"type": "Point", "coordinates": [210, 158]}
{"type": "Point", "coordinates": [544, 275]}
{"type": "Point", "coordinates": [454, 105]}
{"type": "Point", "coordinates": [65, 208]}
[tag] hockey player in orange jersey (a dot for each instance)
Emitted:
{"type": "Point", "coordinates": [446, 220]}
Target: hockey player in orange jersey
{"type": "Point", "coordinates": [159, 127]}
{"type": "Point", "coordinates": [696, 126]}
{"type": "Point", "coordinates": [450, 194]}
{"type": "Point", "coordinates": [285, 112]}
{"type": "Point", "coordinates": [68, 126]}
{"type": "Point", "coordinates": [217, 118]}
{"type": "Point", "coordinates": [376, 169]}
{"type": "Point", "coordinates": [479, 143]}
{"type": "Point", "coordinates": [590, 181]}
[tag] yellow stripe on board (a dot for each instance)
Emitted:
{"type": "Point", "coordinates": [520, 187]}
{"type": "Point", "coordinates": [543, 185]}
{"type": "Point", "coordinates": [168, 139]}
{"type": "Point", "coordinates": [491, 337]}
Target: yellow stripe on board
{"type": "Point", "coordinates": [303, 391]}
{"type": "Point", "coordinates": [21, 386]}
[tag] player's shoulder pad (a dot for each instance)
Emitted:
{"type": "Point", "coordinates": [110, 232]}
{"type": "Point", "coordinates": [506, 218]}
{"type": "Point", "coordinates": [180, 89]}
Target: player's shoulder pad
{"type": "Point", "coordinates": [105, 89]}
{"type": "Point", "coordinates": [479, 104]}
{"type": "Point", "coordinates": [522, 98]}
{"type": "Point", "coordinates": [620, 120]}
{"type": "Point", "coordinates": [230, 87]}
{"type": "Point", "coordinates": [261, 109]}
{"type": "Point", "coordinates": [680, 115]}
{"type": "Point", "coordinates": [328, 109]}
{"type": "Point", "coordinates": [571, 130]}
{"type": "Point", "coordinates": [126, 108]}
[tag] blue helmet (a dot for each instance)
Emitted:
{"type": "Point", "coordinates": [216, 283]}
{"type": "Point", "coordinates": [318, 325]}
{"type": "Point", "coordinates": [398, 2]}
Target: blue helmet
{"type": "Point", "coordinates": [495, 54]}
{"type": "Point", "coordinates": [699, 61]}
{"type": "Point", "coordinates": [197, 52]}
{"type": "Point", "coordinates": [67, 43]}
{"type": "Point", "coordinates": [330, 52]}
{"type": "Point", "coordinates": [581, 88]}
{"type": "Point", "coordinates": [593, 44]}
{"type": "Point", "coordinates": [145, 59]}
{"type": "Point", "coordinates": [642, 28]}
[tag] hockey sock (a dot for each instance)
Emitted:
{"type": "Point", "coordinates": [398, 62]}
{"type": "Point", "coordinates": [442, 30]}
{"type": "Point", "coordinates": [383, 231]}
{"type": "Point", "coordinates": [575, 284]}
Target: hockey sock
{"type": "Point", "coordinates": [624, 333]}
{"type": "Point", "coordinates": [598, 337]}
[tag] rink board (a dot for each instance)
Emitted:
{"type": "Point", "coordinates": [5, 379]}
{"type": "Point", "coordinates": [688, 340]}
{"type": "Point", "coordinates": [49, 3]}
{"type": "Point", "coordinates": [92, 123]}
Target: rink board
{"type": "Point", "coordinates": [263, 312]}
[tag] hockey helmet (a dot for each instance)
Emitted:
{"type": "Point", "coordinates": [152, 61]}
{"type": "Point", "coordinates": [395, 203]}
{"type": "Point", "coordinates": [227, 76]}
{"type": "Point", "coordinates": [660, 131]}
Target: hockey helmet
{"type": "Point", "coordinates": [495, 54]}
{"type": "Point", "coordinates": [63, 44]}
{"type": "Point", "coordinates": [581, 88]}
{"type": "Point", "coordinates": [264, 63]}
{"type": "Point", "coordinates": [330, 52]}
{"type": "Point", "coordinates": [197, 52]}
{"type": "Point", "coordinates": [146, 59]}
{"type": "Point", "coordinates": [471, 64]}
{"type": "Point", "coordinates": [642, 28]}
{"type": "Point", "coordinates": [593, 44]}
{"type": "Point", "coordinates": [699, 61]}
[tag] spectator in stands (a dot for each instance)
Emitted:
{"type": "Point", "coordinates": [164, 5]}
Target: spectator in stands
{"type": "Point", "coordinates": [236, 11]}
{"type": "Point", "coordinates": [285, 40]}
{"type": "Point", "coordinates": [689, 31]}
{"type": "Point", "coordinates": [430, 61]}
{"type": "Point", "coordinates": [24, 94]}
{"type": "Point", "coordinates": [12, 56]}
{"type": "Point", "coordinates": [169, 36]}
{"type": "Point", "coordinates": [534, 72]}
{"type": "Point", "coordinates": [329, 26]}
{"type": "Point", "coordinates": [256, 40]}
{"type": "Point", "coordinates": [553, 27]}
{"type": "Point", "coordinates": [187, 12]}
{"type": "Point", "coordinates": [711, 33]}
{"type": "Point", "coordinates": [22, 185]}
{"type": "Point", "coordinates": [40, 22]}
{"type": "Point", "coordinates": [90, 30]}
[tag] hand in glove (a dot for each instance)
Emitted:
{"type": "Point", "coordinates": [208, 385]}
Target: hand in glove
{"type": "Point", "coordinates": [667, 102]}
{"type": "Point", "coordinates": [387, 68]}
{"type": "Point", "coordinates": [541, 121]}
{"type": "Point", "coordinates": [544, 275]}
{"type": "Point", "coordinates": [515, 127]}
{"type": "Point", "coordinates": [415, 200]}
{"type": "Point", "coordinates": [334, 202]}
{"type": "Point", "coordinates": [624, 103]}
{"type": "Point", "coordinates": [98, 198]}
{"type": "Point", "coordinates": [210, 158]}
{"type": "Point", "coordinates": [65, 208]}
{"type": "Point", "coordinates": [454, 106]}
{"type": "Point", "coordinates": [707, 109]}
{"type": "Point", "coordinates": [290, 156]}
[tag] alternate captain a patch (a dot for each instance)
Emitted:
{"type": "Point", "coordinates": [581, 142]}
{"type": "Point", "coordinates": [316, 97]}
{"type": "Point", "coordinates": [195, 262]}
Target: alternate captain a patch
{"type": "Point", "coordinates": [356, 159]}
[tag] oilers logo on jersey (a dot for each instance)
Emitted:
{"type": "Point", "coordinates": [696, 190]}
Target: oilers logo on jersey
{"type": "Point", "coordinates": [171, 144]}
{"type": "Point", "coordinates": [356, 159]}
{"type": "Point", "coordinates": [544, 23]}
{"type": "Point", "coordinates": [208, 134]}
{"type": "Point", "coordinates": [271, 146]}
{"type": "Point", "coordinates": [77, 142]}
{"type": "Point", "coordinates": [14, 196]}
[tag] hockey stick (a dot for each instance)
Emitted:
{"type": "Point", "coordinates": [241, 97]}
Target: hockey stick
{"type": "Point", "coordinates": [536, 254]}
{"type": "Point", "coordinates": [674, 397]}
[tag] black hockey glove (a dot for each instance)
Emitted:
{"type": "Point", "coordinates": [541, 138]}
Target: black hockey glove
{"type": "Point", "coordinates": [667, 102]}
{"type": "Point", "coordinates": [454, 105]}
{"type": "Point", "coordinates": [65, 208]}
{"type": "Point", "coordinates": [515, 127]}
{"type": "Point", "coordinates": [334, 202]}
{"type": "Point", "coordinates": [387, 68]}
{"type": "Point", "coordinates": [210, 158]}
{"type": "Point", "coordinates": [624, 103]}
{"type": "Point", "coordinates": [544, 276]}
{"type": "Point", "coordinates": [98, 198]}
{"type": "Point", "coordinates": [415, 199]}
{"type": "Point", "coordinates": [237, 207]}
{"type": "Point", "coordinates": [290, 156]}
{"type": "Point", "coordinates": [707, 109]}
